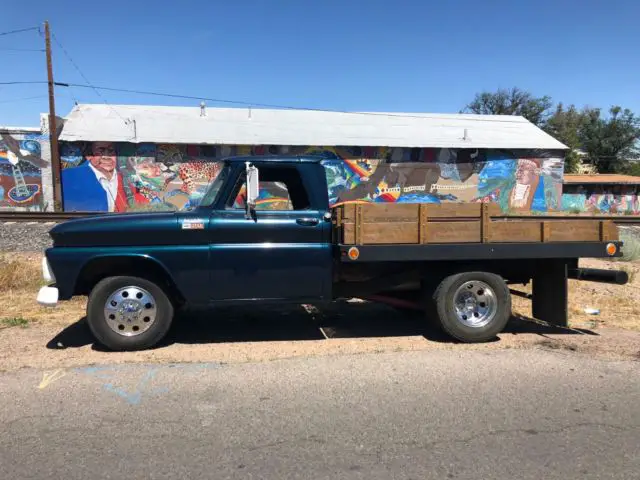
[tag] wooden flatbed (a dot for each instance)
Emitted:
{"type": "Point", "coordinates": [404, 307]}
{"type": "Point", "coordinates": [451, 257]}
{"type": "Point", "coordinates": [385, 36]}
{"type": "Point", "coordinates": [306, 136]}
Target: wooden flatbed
{"type": "Point", "coordinates": [479, 223]}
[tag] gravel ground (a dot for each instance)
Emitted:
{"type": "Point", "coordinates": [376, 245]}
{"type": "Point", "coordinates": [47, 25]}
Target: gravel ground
{"type": "Point", "coordinates": [24, 237]}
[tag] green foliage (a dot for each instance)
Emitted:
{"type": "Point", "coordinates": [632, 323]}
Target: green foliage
{"type": "Point", "coordinates": [631, 247]}
{"type": "Point", "coordinates": [512, 102]}
{"type": "Point", "coordinates": [609, 143]}
{"type": "Point", "coordinates": [14, 322]}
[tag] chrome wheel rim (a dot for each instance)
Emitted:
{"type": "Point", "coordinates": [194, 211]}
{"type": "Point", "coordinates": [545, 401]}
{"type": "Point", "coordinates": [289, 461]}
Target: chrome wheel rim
{"type": "Point", "coordinates": [475, 304]}
{"type": "Point", "coordinates": [130, 311]}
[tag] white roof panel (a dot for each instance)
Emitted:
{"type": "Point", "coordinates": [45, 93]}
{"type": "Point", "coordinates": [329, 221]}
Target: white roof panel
{"type": "Point", "coordinates": [245, 126]}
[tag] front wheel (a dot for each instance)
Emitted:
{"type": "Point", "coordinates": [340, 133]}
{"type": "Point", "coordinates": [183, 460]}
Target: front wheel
{"type": "Point", "coordinates": [472, 306]}
{"type": "Point", "coordinates": [128, 313]}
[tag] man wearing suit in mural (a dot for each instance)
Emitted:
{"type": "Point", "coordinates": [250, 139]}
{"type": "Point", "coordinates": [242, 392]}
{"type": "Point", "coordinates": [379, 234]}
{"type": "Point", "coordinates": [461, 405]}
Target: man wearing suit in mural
{"type": "Point", "coordinates": [96, 185]}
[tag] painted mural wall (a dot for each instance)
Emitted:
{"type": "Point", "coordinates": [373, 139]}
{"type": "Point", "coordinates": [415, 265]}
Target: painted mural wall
{"type": "Point", "coordinates": [118, 177]}
{"type": "Point", "coordinates": [22, 161]}
{"type": "Point", "coordinates": [620, 199]}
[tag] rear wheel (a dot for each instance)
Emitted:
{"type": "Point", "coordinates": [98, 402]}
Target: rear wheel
{"type": "Point", "coordinates": [128, 313]}
{"type": "Point", "coordinates": [472, 306]}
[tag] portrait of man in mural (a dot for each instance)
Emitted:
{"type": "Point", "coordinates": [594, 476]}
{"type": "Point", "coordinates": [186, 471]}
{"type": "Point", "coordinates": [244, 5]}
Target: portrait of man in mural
{"type": "Point", "coordinates": [96, 185]}
{"type": "Point", "coordinates": [527, 178]}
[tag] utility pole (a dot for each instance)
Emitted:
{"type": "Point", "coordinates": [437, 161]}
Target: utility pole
{"type": "Point", "coordinates": [53, 130]}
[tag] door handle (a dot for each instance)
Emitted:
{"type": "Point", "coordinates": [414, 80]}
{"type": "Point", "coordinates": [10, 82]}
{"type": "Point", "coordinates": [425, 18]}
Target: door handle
{"type": "Point", "coordinates": [308, 222]}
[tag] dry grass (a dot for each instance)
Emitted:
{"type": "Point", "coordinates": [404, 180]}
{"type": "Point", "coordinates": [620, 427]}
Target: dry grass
{"type": "Point", "coordinates": [18, 272]}
{"type": "Point", "coordinates": [619, 305]}
{"type": "Point", "coordinates": [20, 278]}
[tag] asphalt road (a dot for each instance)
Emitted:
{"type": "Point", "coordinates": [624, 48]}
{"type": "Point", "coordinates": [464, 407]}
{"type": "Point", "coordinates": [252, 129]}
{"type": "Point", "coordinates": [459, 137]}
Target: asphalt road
{"type": "Point", "coordinates": [416, 415]}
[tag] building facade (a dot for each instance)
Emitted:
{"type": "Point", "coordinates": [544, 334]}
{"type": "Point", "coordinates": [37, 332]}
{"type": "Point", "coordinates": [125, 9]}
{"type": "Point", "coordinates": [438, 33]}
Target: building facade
{"type": "Point", "coordinates": [175, 175]}
{"type": "Point", "coordinates": [25, 168]}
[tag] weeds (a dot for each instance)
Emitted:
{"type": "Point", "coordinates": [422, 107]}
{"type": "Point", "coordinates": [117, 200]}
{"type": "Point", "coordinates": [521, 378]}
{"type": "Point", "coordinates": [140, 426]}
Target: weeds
{"type": "Point", "coordinates": [630, 249]}
{"type": "Point", "coordinates": [18, 274]}
{"type": "Point", "coordinates": [14, 322]}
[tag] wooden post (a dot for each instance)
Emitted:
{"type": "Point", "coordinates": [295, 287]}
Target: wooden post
{"type": "Point", "coordinates": [545, 228]}
{"type": "Point", "coordinates": [53, 130]}
{"type": "Point", "coordinates": [423, 218]}
{"type": "Point", "coordinates": [485, 221]}
{"type": "Point", "coordinates": [358, 225]}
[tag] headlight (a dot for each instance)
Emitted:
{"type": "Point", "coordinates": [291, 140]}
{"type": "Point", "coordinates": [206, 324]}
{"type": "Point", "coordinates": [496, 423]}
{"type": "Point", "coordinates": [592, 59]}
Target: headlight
{"type": "Point", "coordinates": [47, 273]}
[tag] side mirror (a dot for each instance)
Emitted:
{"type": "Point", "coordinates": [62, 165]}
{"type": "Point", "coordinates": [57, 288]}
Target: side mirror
{"type": "Point", "coordinates": [253, 189]}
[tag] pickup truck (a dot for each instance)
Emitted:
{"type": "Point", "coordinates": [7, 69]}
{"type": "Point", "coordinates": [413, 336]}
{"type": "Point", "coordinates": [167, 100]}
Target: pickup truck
{"type": "Point", "coordinates": [238, 247]}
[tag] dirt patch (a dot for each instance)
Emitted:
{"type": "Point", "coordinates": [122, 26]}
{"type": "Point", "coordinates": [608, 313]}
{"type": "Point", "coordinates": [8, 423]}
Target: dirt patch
{"type": "Point", "coordinates": [60, 338]}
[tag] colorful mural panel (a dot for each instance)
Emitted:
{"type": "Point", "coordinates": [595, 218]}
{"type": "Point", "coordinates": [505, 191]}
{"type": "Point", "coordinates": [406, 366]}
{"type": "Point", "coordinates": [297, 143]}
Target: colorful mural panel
{"type": "Point", "coordinates": [21, 165]}
{"type": "Point", "coordinates": [103, 176]}
{"type": "Point", "coordinates": [618, 200]}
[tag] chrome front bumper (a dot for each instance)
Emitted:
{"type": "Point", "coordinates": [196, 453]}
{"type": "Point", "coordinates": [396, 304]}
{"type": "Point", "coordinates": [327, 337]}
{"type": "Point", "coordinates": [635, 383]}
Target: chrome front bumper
{"type": "Point", "coordinates": [47, 296]}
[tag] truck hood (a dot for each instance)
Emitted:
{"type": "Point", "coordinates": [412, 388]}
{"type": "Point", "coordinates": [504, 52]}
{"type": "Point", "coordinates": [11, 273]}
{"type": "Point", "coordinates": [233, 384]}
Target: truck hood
{"type": "Point", "coordinates": [133, 229]}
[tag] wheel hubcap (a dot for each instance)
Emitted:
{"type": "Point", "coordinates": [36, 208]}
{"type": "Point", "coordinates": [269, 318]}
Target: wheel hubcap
{"type": "Point", "coordinates": [475, 304]}
{"type": "Point", "coordinates": [130, 311]}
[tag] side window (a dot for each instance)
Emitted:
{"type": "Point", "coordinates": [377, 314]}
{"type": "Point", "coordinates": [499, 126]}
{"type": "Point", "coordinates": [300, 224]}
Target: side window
{"type": "Point", "coordinates": [281, 188]}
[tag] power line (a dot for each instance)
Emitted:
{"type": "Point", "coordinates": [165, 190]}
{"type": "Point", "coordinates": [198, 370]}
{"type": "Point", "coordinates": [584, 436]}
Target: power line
{"type": "Point", "coordinates": [23, 83]}
{"type": "Point", "coordinates": [75, 65]}
{"type": "Point", "coordinates": [23, 98]}
{"type": "Point", "coordinates": [22, 49]}
{"type": "Point", "coordinates": [19, 31]}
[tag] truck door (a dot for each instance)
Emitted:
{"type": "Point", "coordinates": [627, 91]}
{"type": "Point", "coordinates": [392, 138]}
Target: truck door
{"type": "Point", "coordinates": [284, 253]}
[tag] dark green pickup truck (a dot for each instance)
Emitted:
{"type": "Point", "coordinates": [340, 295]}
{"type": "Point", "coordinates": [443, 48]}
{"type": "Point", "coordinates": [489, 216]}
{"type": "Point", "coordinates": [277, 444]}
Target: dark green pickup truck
{"type": "Point", "coordinates": [137, 269]}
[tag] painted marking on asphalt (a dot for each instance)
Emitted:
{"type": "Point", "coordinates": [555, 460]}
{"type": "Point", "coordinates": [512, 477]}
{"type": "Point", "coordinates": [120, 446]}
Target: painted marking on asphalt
{"type": "Point", "coordinates": [50, 377]}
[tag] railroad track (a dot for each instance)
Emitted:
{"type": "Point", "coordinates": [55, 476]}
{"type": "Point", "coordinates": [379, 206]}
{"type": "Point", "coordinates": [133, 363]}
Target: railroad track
{"type": "Point", "coordinates": [46, 217]}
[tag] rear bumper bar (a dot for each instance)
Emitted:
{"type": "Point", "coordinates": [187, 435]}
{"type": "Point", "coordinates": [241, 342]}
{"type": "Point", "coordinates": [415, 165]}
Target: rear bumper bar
{"type": "Point", "coordinates": [617, 277]}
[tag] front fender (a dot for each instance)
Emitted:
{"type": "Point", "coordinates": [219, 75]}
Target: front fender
{"type": "Point", "coordinates": [77, 269]}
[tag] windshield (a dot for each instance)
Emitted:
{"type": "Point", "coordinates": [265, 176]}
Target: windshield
{"type": "Point", "coordinates": [214, 188]}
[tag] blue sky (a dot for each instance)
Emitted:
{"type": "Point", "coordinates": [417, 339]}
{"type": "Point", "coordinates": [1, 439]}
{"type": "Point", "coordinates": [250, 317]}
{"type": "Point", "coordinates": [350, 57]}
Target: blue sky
{"type": "Point", "coordinates": [371, 55]}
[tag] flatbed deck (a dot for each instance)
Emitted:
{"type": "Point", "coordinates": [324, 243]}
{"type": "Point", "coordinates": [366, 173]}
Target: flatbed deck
{"type": "Point", "coordinates": [474, 225]}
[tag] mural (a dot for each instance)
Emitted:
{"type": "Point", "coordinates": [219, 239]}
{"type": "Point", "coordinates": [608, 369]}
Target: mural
{"type": "Point", "coordinates": [21, 165]}
{"type": "Point", "coordinates": [620, 199]}
{"type": "Point", "coordinates": [117, 177]}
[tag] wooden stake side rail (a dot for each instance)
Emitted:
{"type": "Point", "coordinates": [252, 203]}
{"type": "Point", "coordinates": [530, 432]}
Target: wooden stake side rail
{"type": "Point", "coordinates": [393, 223]}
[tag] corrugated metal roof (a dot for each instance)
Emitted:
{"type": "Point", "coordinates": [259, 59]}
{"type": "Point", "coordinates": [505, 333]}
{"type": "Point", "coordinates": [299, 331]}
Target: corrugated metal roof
{"type": "Point", "coordinates": [244, 126]}
{"type": "Point", "coordinates": [601, 178]}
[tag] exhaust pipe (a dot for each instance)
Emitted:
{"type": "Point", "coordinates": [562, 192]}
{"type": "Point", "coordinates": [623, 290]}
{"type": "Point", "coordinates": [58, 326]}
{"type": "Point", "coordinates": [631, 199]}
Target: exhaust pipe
{"type": "Point", "coordinates": [617, 277]}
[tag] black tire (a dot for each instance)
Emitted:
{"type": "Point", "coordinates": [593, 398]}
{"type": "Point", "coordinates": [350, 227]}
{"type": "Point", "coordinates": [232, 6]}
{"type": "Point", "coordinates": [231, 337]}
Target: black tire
{"type": "Point", "coordinates": [98, 325]}
{"type": "Point", "coordinates": [441, 305]}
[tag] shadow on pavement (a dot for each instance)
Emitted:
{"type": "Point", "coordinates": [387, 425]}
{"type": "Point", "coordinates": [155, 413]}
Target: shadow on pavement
{"type": "Point", "coordinates": [296, 322]}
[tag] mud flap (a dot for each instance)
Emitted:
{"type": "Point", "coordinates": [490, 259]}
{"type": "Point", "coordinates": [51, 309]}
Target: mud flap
{"type": "Point", "coordinates": [550, 292]}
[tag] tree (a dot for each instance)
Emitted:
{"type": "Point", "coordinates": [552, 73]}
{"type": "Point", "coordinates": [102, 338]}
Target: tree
{"type": "Point", "coordinates": [565, 126]}
{"type": "Point", "coordinates": [610, 143]}
{"type": "Point", "coordinates": [512, 102]}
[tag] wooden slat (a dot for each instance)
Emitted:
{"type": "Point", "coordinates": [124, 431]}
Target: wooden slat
{"type": "Point", "coordinates": [469, 210]}
{"type": "Point", "coordinates": [516, 231]}
{"type": "Point", "coordinates": [424, 218]}
{"type": "Point", "coordinates": [574, 231]}
{"type": "Point", "coordinates": [392, 212]}
{"type": "Point", "coordinates": [453, 232]}
{"type": "Point", "coordinates": [384, 233]}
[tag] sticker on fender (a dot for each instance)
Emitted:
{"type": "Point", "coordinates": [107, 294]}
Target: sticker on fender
{"type": "Point", "coordinates": [193, 224]}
